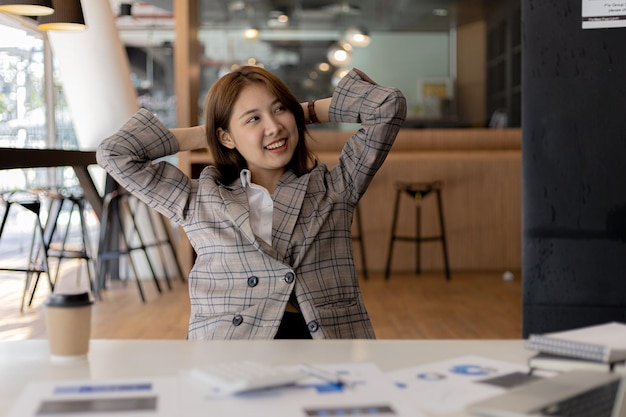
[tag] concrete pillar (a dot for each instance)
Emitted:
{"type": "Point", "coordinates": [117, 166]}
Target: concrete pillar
{"type": "Point", "coordinates": [95, 73]}
{"type": "Point", "coordinates": [573, 181]}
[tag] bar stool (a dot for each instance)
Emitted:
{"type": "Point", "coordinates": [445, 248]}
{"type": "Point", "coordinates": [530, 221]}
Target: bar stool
{"type": "Point", "coordinates": [155, 241]}
{"type": "Point", "coordinates": [116, 207]}
{"type": "Point", "coordinates": [358, 237]}
{"type": "Point", "coordinates": [68, 242]}
{"type": "Point", "coordinates": [418, 191]}
{"type": "Point", "coordinates": [37, 261]}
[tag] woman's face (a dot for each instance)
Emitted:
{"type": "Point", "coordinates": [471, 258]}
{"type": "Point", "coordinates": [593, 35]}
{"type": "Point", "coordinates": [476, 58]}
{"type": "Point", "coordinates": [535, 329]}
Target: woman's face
{"type": "Point", "coordinates": [262, 130]}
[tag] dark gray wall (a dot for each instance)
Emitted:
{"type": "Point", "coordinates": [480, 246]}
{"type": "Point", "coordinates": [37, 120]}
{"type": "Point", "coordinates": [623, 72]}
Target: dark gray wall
{"type": "Point", "coordinates": [573, 169]}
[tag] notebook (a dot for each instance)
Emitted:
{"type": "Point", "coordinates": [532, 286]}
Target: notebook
{"type": "Point", "coordinates": [601, 343]}
{"type": "Point", "coordinates": [558, 363]}
{"type": "Point", "coordinates": [553, 396]}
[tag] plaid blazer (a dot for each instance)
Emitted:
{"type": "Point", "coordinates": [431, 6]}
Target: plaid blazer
{"type": "Point", "coordinates": [239, 286]}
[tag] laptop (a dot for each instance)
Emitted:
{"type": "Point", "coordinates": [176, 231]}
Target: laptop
{"type": "Point", "coordinates": [556, 396]}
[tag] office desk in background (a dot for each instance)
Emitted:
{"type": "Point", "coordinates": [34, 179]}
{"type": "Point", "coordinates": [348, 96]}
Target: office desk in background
{"type": "Point", "coordinates": [17, 158]}
{"type": "Point", "coordinates": [27, 361]}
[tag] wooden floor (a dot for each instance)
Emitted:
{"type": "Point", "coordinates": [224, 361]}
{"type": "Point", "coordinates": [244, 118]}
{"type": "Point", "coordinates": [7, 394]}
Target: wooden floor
{"type": "Point", "coordinates": [470, 306]}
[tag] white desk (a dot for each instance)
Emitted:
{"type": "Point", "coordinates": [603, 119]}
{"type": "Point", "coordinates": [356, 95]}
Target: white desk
{"type": "Point", "coordinates": [24, 361]}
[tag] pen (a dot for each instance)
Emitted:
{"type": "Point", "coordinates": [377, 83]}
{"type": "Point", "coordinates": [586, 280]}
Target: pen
{"type": "Point", "coordinates": [327, 376]}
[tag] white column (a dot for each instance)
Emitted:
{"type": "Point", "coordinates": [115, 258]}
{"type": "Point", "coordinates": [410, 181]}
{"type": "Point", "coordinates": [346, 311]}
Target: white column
{"type": "Point", "coordinates": [96, 78]}
{"type": "Point", "coordinates": [95, 74]}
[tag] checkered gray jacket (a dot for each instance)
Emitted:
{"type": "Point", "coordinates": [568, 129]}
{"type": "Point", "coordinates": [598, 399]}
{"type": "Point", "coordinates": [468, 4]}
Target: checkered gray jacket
{"type": "Point", "coordinates": [239, 286]}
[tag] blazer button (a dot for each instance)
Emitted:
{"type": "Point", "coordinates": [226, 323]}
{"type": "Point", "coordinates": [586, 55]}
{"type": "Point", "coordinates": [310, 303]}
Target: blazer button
{"type": "Point", "coordinates": [237, 320]}
{"type": "Point", "coordinates": [289, 277]}
{"type": "Point", "coordinates": [313, 326]}
{"type": "Point", "coordinates": [253, 281]}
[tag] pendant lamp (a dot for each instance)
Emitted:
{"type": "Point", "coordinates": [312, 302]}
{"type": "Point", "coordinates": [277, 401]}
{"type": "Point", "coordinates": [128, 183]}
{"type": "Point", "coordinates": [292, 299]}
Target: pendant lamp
{"type": "Point", "coordinates": [27, 7]}
{"type": "Point", "coordinates": [126, 9]}
{"type": "Point", "coordinates": [339, 54]}
{"type": "Point", "coordinates": [67, 17]}
{"type": "Point", "coordinates": [251, 33]}
{"type": "Point", "coordinates": [358, 36]}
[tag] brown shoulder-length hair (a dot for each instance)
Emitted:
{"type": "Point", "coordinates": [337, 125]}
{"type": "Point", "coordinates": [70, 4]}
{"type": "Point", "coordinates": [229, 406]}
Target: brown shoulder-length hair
{"type": "Point", "coordinates": [218, 107]}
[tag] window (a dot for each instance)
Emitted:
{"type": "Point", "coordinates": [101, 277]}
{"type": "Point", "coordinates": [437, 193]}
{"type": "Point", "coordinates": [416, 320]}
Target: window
{"type": "Point", "coordinates": [33, 114]}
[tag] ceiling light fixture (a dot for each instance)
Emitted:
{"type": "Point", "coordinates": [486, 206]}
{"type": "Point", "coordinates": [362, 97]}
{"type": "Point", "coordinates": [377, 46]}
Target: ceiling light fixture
{"type": "Point", "coordinates": [251, 33]}
{"type": "Point", "coordinates": [323, 66]}
{"type": "Point", "coordinates": [67, 17]}
{"type": "Point", "coordinates": [277, 19]}
{"type": "Point", "coordinates": [27, 7]}
{"type": "Point", "coordinates": [237, 6]}
{"type": "Point", "coordinates": [338, 55]}
{"type": "Point", "coordinates": [358, 36]}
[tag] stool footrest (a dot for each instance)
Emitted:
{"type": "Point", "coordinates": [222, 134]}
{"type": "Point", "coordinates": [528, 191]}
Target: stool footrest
{"type": "Point", "coordinates": [112, 255]}
{"type": "Point", "coordinates": [37, 270]}
{"type": "Point", "coordinates": [418, 239]}
{"type": "Point", "coordinates": [73, 254]}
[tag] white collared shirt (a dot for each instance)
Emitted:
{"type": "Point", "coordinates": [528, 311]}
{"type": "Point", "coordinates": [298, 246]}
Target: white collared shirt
{"type": "Point", "coordinates": [261, 207]}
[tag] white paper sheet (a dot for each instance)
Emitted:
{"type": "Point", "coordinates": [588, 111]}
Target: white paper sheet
{"type": "Point", "coordinates": [449, 386]}
{"type": "Point", "coordinates": [146, 397]}
{"type": "Point", "coordinates": [369, 393]}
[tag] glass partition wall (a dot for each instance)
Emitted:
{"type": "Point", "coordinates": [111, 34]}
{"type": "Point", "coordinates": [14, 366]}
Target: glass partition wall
{"type": "Point", "coordinates": [33, 114]}
{"type": "Point", "coordinates": [33, 111]}
{"type": "Point", "coordinates": [309, 44]}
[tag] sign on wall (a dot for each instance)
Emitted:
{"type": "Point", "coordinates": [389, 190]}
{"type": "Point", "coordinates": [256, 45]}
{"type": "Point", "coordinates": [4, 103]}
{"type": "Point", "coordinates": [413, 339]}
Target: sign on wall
{"type": "Point", "coordinates": [598, 14]}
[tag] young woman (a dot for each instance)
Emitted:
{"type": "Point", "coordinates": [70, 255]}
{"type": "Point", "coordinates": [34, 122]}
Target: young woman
{"type": "Point", "coordinates": [270, 226]}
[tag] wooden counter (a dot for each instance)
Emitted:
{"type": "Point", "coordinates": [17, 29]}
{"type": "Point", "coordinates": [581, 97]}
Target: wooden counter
{"type": "Point", "coordinates": [17, 158]}
{"type": "Point", "coordinates": [481, 171]}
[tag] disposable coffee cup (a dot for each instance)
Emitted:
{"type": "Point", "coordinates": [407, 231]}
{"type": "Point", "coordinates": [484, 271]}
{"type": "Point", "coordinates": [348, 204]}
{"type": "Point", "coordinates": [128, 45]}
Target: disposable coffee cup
{"type": "Point", "coordinates": [68, 319]}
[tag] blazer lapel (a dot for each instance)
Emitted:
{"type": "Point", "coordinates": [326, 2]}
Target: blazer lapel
{"type": "Point", "coordinates": [237, 207]}
{"type": "Point", "coordinates": [288, 201]}
{"type": "Point", "coordinates": [287, 204]}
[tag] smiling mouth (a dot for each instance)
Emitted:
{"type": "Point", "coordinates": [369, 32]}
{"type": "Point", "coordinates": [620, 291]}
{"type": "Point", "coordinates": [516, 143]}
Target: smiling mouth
{"type": "Point", "coordinates": [276, 145]}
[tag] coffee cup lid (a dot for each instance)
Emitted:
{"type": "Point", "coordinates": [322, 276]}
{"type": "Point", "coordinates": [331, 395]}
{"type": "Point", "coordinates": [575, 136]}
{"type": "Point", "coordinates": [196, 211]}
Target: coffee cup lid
{"type": "Point", "coordinates": [69, 300]}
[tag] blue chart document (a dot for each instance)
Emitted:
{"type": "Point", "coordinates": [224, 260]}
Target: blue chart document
{"type": "Point", "coordinates": [449, 386]}
{"type": "Point", "coordinates": [366, 391]}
